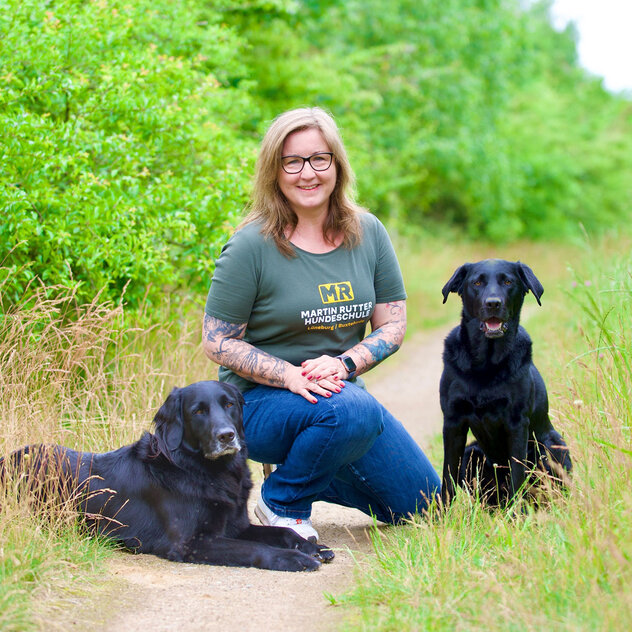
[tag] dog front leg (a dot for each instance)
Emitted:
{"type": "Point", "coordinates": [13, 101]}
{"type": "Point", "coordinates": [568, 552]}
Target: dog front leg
{"type": "Point", "coordinates": [285, 538]}
{"type": "Point", "coordinates": [205, 549]}
{"type": "Point", "coordinates": [518, 451]}
{"type": "Point", "coordinates": [454, 439]}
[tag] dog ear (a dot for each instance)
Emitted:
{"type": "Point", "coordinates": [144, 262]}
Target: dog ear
{"type": "Point", "coordinates": [530, 280]}
{"type": "Point", "coordinates": [168, 420]}
{"type": "Point", "coordinates": [455, 284]}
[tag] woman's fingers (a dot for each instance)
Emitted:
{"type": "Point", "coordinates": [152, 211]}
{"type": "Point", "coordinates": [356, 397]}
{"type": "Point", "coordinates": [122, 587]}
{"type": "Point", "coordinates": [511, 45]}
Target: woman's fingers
{"type": "Point", "coordinates": [325, 387]}
{"type": "Point", "coordinates": [321, 368]}
{"type": "Point", "coordinates": [296, 382]}
{"type": "Point", "coordinates": [313, 389]}
{"type": "Point", "coordinates": [332, 385]}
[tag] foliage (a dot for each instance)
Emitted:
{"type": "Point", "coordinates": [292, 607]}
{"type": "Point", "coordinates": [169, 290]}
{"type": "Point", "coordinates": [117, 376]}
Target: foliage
{"type": "Point", "coordinates": [125, 147]}
{"type": "Point", "coordinates": [472, 113]}
{"type": "Point", "coordinates": [128, 130]}
{"type": "Point", "coordinates": [37, 555]}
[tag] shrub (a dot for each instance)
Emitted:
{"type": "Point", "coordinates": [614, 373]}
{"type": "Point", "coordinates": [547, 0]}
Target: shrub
{"type": "Point", "coordinates": [124, 157]}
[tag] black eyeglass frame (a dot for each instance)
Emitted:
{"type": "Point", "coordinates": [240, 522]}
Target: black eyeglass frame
{"type": "Point", "coordinates": [308, 159]}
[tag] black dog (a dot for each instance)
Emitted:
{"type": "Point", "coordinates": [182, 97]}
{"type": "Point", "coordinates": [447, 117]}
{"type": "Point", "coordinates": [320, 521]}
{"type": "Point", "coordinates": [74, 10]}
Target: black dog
{"type": "Point", "coordinates": [490, 386]}
{"type": "Point", "coordinates": [180, 493]}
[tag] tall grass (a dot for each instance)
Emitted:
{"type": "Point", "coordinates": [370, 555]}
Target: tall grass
{"type": "Point", "coordinates": [81, 376]}
{"type": "Point", "coordinates": [565, 567]}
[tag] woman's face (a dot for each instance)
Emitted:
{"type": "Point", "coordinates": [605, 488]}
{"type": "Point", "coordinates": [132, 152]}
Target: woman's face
{"type": "Point", "coordinates": [309, 190]}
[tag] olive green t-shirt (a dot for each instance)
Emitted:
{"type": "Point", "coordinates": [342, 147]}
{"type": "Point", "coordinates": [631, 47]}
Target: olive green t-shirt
{"type": "Point", "coordinates": [305, 306]}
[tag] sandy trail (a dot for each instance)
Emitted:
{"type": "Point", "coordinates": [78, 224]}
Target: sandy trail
{"type": "Point", "coordinates": [144, 592]}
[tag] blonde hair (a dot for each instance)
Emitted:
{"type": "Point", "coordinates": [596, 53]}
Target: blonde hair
{"type": "Point", "coordinates": [269, 206]}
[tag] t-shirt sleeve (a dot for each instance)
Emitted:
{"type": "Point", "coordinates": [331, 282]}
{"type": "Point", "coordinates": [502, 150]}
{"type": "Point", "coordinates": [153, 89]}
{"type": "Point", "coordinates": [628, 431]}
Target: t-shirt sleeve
{"type": "Point", "coordinates": [389, 283]}
{"type": "Point", "coordinates": [235, 279]}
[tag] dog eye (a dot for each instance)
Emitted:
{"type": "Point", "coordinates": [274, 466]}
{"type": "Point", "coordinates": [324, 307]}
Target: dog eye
{"type": "Point", "coordinates": [477, 283]}
{"type": "Point", "coordinates": [229, 404]}
{"type": "Point", "coordinates": [508, 281]}
{"type": "Point", "coordinates": [198, 411]}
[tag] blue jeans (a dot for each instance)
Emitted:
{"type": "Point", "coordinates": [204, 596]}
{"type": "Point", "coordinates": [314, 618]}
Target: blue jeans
{"type": "Point", "coordinates": [345, 449]}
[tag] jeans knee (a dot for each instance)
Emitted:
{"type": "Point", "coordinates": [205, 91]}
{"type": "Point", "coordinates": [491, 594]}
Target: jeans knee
{"type": "Point", "coordinates": [359, 418]}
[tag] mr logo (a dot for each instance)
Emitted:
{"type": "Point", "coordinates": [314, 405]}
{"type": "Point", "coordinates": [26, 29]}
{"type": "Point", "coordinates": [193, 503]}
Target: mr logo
{"type": "Point", "coordinates": [336, 292]}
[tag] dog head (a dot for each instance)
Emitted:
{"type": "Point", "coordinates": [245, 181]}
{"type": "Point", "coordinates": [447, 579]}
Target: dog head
{"type": "Point", "coordinates": [493, 291]}
{"type": "Point", "coordinates": [204, 417]}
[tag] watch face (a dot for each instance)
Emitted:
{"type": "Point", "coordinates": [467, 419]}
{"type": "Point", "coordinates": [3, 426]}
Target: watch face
{"type": "Point", "coordinates": [349, 363]}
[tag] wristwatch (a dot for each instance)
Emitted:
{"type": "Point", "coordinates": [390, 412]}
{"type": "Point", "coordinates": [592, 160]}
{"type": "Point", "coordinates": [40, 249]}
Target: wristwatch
{"type": "Point", "coordinates": [349, 364]}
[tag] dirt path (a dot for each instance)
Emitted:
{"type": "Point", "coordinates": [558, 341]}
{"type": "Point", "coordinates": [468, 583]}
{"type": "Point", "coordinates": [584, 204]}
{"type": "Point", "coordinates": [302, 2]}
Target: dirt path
{"type": "Point", "coordinates": [144, 592]}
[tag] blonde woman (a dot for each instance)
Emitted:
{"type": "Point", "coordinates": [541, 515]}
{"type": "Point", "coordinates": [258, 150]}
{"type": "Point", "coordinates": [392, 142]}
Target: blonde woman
{"type": "Point", "coordinates": [286, 315]}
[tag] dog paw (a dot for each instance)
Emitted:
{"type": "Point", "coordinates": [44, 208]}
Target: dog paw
{"type": "Point", "coordinates": [324, 553]}
{"type": "Point", "coordinates": [320, 551]}
{"type": "Point", "coordinates": [295, 561]}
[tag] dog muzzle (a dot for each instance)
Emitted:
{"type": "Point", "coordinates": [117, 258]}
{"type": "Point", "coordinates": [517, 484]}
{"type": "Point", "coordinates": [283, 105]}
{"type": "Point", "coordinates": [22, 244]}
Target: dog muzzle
{"type": "Point", "coordinates": [222, 449]}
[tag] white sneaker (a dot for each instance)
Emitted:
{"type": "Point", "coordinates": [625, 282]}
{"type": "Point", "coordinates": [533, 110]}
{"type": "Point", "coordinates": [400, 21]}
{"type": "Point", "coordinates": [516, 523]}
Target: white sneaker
{"type": "Point", "coordinates": [302, 526]}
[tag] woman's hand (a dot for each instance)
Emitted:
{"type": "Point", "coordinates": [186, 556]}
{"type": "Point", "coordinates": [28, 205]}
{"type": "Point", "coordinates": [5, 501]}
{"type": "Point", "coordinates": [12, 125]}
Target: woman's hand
{"type": "Point", "coordinates": [297, 382]}
{"type": "Point", "coordinates": [324, 368]}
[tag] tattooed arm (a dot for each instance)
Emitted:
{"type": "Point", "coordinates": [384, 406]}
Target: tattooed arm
{"type": "Point", "coordinates": [223, 343]}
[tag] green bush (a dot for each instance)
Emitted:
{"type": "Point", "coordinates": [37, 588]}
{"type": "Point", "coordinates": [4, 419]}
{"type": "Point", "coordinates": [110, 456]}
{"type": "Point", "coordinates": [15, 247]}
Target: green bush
{"type": "Point", "coordinates": [471, 113]}
{"type": "Point", "coordinates": [124, 154]}
{"type": "Point", "coordinates": [128, 129]}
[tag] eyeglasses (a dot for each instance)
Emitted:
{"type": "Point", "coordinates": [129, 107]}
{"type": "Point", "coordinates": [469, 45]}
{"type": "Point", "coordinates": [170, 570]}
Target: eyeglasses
{"type": "Point", "coordinates": [318, 162]}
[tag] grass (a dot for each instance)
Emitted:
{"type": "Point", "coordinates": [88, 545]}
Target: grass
{"type": "Point", "coordinates": [84, 377]}
{"type": "Point", "coordinates": [565, 567]}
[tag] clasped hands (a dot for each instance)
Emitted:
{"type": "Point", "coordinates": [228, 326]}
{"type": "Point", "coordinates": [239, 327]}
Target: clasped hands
{"type": "Point", "coordinates": [318, 376]}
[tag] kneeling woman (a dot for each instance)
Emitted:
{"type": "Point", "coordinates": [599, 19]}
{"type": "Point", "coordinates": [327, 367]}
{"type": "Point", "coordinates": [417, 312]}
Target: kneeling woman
{"type": "Point", "coordinates": [286, 315]}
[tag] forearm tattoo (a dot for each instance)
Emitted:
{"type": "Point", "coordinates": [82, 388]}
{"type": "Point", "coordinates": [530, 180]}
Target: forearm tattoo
{"type": "Point", "coordinates": [223, 344]}
{"type": "Point", "coordinates": [386, 339]}
{"type": "Point", "coordinates": [379, 346]}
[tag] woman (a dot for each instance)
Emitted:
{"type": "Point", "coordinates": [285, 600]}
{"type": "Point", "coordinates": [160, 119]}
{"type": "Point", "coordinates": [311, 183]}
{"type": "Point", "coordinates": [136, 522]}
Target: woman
{"type": "Point", "coordinates": [286, 313]}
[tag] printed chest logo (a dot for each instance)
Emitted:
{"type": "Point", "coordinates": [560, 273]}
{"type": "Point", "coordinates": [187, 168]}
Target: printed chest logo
{"type": "Point", "coordinates": [333, 314]}
{"type": "Point", "coordinates": [339, 292]}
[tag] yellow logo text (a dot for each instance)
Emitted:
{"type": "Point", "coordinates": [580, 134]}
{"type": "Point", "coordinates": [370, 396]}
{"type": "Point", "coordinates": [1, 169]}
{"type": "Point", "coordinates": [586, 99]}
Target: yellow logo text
{"type": "Point", "coordinates": [336, 292]}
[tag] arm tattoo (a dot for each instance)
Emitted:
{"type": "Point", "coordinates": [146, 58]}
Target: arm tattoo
{"type": "Point", "coordinates": [224, 344]}
{"type": "Point", "coordinates": [218, 331]}
{"type": "Point", "coordinates": [386, 339]}
{"type": "Point", "coordinates": [395, 309]}
{"type": "Point", "coordinates": [379, 348]}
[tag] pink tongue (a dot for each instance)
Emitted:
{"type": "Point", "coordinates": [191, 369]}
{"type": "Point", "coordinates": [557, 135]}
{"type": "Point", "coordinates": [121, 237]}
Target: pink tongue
{"type": "Point", "coordinates": [493, 324]}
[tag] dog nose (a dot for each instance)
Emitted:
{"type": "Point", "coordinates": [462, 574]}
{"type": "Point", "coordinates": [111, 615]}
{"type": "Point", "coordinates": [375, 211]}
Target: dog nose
{"type": "Point", "coordinates": [493, 302]}
{"type": "Point", "coordinates": [226, 436]}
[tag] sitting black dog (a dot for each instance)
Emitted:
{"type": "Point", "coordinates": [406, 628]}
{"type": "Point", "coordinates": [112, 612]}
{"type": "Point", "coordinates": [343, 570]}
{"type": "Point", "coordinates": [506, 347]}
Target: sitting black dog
{"type": "Point", "coordinates": [180, 493]}
{"type": "Point", "coordinates": [490, 386]}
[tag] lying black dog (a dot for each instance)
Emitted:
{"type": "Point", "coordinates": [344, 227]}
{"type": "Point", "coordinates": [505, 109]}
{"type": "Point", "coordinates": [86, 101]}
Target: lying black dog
{"type": "Point", "coordinates": [490, 386]}
{"type": "Point", "coordinates": [180, 493]}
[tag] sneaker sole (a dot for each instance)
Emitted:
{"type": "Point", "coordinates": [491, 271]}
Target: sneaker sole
{"type": "Point", "coordinates": [261, 516]}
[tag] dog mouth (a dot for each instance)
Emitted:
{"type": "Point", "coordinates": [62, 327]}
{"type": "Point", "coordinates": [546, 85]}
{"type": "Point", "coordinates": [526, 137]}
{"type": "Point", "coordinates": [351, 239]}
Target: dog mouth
{"type": "Point", "coordinates": [219, 450]}
{"type": "Point", "coordinates": [493, 327]}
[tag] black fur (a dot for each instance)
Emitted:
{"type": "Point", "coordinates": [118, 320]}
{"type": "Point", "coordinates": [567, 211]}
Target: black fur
{"type": "Point", "coordinates": [180, 493]}
{"type": "Point", "coordinates": [491, 387]}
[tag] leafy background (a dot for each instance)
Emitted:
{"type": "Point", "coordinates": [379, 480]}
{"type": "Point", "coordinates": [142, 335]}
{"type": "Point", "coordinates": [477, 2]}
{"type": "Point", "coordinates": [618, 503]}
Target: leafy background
{"type": "Point", "coordinates": [129, 128]}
